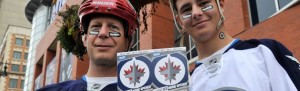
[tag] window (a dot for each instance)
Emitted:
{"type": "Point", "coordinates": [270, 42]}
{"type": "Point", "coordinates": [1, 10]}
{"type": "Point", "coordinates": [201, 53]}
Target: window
{"type": "Point", "coordinates": [13, 83]}
{"type": "Point", "coordinates": [187, 42]}
{"type": "Point", "coordinates": [27, 43]}
{"type": "Point", "coordinates": [192, 51]}
{"type": "Point", "coordinates": [19, 41]}
{"type": "Point", "coordinates": [261, 10]}
{"type": "Point", "coordinates": [283, 3]}
{"type": "Point", "coordinates": [24, 68]}
{"type": "Point", "coordinates": [17, 55]}
{"type": "Point", "coordinates": [25, 56]}
{"type": "Point", "coordinates": [22, 84]}
{"type": "Point", "coordinates": [15, 67]}
{"type": "Point", "coordinates": [136, 42]}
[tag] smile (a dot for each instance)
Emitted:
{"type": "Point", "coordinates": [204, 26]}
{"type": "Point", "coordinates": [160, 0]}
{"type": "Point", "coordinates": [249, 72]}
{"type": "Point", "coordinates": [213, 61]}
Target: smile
{"type": "Point", "coordinates": [200, 23]}
{"type": "Point", "coordinates": [103, 47]}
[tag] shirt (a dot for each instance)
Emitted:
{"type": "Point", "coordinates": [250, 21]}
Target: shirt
{"type": "Point", "coordinates": [250, 65]}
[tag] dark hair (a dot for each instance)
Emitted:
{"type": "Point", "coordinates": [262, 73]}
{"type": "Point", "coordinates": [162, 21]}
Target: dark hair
{"type": "Point", "coordinates": [86, 21]}
{"type": "Point", "coordinates": [174, 4]}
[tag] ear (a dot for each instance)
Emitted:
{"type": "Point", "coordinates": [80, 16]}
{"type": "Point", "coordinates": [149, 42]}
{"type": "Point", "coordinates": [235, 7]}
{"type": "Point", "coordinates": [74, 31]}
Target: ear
{"type": "Point", "coordinates": [178, 21]}
{"type": "Point", "coordinates": [83, 38]}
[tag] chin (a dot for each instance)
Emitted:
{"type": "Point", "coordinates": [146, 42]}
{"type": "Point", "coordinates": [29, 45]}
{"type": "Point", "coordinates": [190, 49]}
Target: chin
{"type": "Point", "coordinates": [105, 61]}
{"type": "Point", "coordinates": [203, 36]}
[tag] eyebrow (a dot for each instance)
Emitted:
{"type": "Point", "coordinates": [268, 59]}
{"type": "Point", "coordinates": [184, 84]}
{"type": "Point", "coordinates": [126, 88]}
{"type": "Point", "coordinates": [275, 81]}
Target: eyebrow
{"type": "Point", "coordinates": [183, 7]}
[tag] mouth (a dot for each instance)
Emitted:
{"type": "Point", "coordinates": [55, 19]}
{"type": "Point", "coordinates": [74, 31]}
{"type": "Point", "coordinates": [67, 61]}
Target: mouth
{"type": "Point", "coordinates": [103, 47]}
{"type": "Point", "coordinates": [200, 23]}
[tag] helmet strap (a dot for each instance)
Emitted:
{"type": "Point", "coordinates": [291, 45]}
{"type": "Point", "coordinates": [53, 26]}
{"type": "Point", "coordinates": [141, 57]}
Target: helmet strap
{"type": "Point", "coordinates": [222, 18]}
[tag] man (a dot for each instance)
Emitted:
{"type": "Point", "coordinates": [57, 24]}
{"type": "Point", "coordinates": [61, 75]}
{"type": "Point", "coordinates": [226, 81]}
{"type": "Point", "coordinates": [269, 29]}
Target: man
{"type": "Point", "coordinates": [108, 27]}
{"type": "Point", "coordinates": [227, 64]}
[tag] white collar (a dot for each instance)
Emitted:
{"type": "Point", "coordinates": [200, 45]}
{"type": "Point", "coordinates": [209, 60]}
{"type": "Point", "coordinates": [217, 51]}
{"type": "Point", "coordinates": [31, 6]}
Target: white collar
{"type": "Point", "coordinates": [219, 52]}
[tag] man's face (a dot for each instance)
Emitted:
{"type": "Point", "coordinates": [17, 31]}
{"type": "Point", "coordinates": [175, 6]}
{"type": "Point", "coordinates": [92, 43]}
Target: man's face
{"type": "Point", "coordinates": [198, 17]}
{"type": "Point", "coordinates": [101, 48]}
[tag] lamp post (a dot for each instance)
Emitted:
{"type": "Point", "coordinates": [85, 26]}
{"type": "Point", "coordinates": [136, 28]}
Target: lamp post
{"type": "Point", "coordinates": [3, 72]}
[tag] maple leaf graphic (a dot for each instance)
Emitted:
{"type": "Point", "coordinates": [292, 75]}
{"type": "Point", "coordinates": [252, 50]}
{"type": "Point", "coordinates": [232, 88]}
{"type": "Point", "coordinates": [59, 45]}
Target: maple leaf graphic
{"type": "Point", "coordinates": [134, 73]}
{"type": "Point", "coordinates": [169, 70]}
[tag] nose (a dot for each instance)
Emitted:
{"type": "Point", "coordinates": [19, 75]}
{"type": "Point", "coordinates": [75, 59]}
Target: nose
{"type": "Point", "coordinates": [196, 12]}
{"type": "Point", "coordinates": [103, 33]}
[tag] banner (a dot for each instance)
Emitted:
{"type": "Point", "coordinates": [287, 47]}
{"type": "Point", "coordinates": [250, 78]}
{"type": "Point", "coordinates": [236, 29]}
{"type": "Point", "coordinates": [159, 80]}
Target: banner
{"type": "Point", "coordinates": [155, 70]}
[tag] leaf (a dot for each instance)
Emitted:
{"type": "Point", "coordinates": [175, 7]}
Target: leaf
{"type": "Point", "coordinates": [71, 30]}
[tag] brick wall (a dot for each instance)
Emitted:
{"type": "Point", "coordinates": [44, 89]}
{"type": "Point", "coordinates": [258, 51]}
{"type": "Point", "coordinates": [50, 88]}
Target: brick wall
{"type": "Point", "coordinates": [283, 27]}
{"type": "Point", "coordinates": [160, 32]}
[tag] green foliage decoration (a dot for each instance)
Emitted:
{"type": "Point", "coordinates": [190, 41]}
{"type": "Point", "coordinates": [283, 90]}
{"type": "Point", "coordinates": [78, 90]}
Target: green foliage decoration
{"type": "Point", "coordinates": [69, 34]}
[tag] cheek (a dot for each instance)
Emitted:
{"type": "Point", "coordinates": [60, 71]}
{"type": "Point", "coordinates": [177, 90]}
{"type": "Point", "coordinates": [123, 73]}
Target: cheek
{"type": "Point", "coordinates": [186, 24]}
{"type": "Point", "coordinates": [89, 41]}
{"type": "Point", "coordinates": [214, 15]}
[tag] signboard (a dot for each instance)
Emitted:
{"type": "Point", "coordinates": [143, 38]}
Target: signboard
{"type": "Point", "coordinates": [158, 70]}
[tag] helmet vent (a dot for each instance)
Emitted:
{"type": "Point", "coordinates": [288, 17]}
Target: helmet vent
{"type": "Point", "coordinates": [120, 6]}
{"type": "Point", "coordinates": [87, 3]}
{"type": "Point", "coordinates": [109, 9]}
{"type": "Point", "coordinates": [96, 7]}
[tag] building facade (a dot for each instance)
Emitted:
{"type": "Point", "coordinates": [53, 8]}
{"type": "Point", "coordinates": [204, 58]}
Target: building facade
{"type": "Point", "coordinates": [12, 13]}
{"type": "Point", "coordinates": [14, 54]}
{"type": "Point", "coordinates": [245, 19]}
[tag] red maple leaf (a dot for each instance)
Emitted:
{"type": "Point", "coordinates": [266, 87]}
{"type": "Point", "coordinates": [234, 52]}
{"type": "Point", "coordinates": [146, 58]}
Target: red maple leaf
{"type": "Point", "coordinates": [166, 67]}
{"type": "Point", "coordinates": [141, 70]}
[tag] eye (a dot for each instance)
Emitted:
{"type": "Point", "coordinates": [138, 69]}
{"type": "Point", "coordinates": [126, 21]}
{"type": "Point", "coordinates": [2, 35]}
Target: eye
{"type": "Point", "coordinates": [203, 3]}
{"type": "Point", "coordinates": [114, 27]}
{"type": "Point", "coordinates": [187, 15]}
{"type": "Point", "coordinates": [186, 11]}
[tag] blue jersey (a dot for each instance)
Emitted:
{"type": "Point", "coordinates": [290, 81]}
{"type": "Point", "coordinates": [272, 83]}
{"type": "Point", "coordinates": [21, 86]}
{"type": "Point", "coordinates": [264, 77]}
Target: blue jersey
{"type": "Point", "coordinates": [75, 85]}
{"type": "Point", "coordinates": [251, 65]}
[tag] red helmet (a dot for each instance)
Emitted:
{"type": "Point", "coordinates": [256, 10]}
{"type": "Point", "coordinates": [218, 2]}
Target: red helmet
{"type": "Point", "coordinates": [119, 8]}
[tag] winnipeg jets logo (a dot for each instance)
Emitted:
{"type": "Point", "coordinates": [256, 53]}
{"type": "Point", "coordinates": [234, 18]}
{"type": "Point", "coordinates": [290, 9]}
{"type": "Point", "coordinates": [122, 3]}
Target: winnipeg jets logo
{"type": "Point", "coordinates": [169, 70]}
{"type": "Point", "coordinates": [134, 73]}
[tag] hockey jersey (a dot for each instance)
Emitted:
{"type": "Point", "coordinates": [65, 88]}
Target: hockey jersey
{"type": "Point", "coordinates": [75, 85]}
{"type": "Point", "coordinates": [250, 65]}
